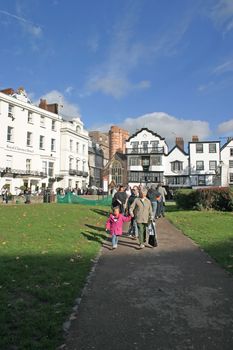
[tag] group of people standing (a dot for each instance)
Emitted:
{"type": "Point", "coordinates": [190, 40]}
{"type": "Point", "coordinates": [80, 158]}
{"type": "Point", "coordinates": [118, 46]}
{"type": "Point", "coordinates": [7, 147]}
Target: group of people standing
{"type": "Point", "coordinates": [139, 205]}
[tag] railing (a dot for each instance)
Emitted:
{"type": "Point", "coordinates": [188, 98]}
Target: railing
{"type": "Point", "coordinates": [145, 150]}
{"type": "Point", "coordinates": [78, 173]}
{"type": "Point", "coordinates": [8, 170]}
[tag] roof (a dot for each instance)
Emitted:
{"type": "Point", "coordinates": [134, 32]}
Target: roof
{"type": "Point", "coordinates": [180, 149]}
{"type": "Point", "coordinates": [145, 129]}
{"type": "Point", "coordinates": [225, 144]}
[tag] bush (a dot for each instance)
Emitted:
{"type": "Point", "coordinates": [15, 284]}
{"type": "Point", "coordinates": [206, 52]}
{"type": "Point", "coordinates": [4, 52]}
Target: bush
{"type": "Point", "coordinates": [217, 198]}
{"type": "Point", "coordinates": [186, 198]}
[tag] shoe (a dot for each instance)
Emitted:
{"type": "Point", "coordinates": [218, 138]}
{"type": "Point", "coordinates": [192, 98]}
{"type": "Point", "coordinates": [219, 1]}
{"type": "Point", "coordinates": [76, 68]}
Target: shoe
{"type": "Point", "coordinates": [130, 236]}
{"type": "Point", "coordinates": [114, 247]}
{"type": "Point", "coordinates": [134, 237]}
{"type": "Point", "coordinates": [141, 246]}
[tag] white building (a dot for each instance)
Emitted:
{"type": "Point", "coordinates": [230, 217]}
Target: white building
{"type": "Point", "coordinates": [226, 166]}
{"type": "Point", "coordinates": [146, 152]}
{"type": "Point", "coordinates": [29, 143]}
{"type": "Point", "coordinates": [37, 148]}
{"type": "Point", "coordinates": [74, 155]}
{"type": "Point", "coordinates": [177, 166]}
{"type": "Point", "coordinates": [204, 162]}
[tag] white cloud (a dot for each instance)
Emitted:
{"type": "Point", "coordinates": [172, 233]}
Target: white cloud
{"type": "Point", "coordinates": [222, 14]}
{"type": "Point", "coordinates": [28, 26]}
{"type": "Point", "coordinates": [226, 66]}
{"type": "Point", "coordinates": [67, 109]}
{"type": "Point", "coordinates": [166, 125]}
{"type": "Point", "coordinates": [226, 128]}
{"type": "Point", "coordinates": [69, 90]}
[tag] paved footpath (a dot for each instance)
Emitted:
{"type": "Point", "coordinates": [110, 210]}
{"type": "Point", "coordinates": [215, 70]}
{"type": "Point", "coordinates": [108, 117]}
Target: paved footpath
{"type": "Point", "coordinates": [165, 298]}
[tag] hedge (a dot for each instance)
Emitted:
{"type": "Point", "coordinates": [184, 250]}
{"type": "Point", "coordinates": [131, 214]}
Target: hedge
{"type": "Point", "coordinates": [217, 198]}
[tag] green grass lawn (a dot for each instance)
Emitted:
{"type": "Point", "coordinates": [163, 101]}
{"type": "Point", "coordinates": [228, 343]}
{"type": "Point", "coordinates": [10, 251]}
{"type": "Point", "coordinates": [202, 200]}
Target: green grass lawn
{"type": "Point", "coordinates": [211, 230]}
{"type": "Point", "coordinates": [46, 251]}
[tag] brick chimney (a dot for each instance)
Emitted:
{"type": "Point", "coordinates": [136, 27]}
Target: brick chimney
{"type": "Point", "coordinates": [8, 91]}
{"type": "Point", "coordinates": [195, 138]}
{"type": "Point", "coordinates": [180, 142]}
{"type": "Point", "coordinates": [53, 107]}
{"type": "Point", "coordinates": [43, 104]}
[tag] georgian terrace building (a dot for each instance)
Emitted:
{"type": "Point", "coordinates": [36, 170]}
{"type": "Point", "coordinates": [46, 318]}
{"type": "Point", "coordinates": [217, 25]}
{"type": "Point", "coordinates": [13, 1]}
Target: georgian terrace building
{"type": "Point", "coordinates": [29, 143]}
{"type": "Point", "coordinates": [37, 148]}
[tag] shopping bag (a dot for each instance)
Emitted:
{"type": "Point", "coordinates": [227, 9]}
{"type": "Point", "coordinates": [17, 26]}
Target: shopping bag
{"type": "Point", "coordinates": [152, 240]}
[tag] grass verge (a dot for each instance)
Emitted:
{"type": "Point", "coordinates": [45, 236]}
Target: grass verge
{"type": "Point", "coordinates": [211, 230]}
{"type": "Point", "coordinates": [46, 252]}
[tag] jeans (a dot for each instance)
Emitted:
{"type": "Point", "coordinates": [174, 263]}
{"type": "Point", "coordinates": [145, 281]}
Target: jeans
{"type": "Point", "coordinates": [154, 208]}
{"type": "Point", "coordinates": [133, 229]}
{"type": "Point", "coordinates": [114, 240]}
{"type": "Point", "coordinates": [142, 232]}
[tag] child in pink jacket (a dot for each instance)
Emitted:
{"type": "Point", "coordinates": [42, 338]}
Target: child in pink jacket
{"type": "Point", "coordinates": [114, 225]}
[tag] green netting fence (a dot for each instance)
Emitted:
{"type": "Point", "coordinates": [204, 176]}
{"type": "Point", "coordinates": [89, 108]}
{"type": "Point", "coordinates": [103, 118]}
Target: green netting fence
{"type": "Point", "coordinates": [74, 199]}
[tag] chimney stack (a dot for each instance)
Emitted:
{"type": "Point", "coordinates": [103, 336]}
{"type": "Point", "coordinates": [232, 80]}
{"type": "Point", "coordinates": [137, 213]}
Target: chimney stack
{"type": "Point", "coordinates": [195, 138]}
{"type": "Point", "coordinates": [8, 91]}
{"type": "Point", "coordinates": [43, 104]}
{"type": "Point", "coordinates": [180, 142]}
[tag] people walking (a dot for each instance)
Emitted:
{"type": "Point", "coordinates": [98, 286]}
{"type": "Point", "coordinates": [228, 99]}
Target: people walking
{"type": "Point", "coordinates": [163, 193]}
{"type": "Point", "coordinates": [114, 225]}
{"type": "Point", "coordinates": [153, 195]}
{"type": "Point", "coordinates": [119, 199]}
{"type": "Point", "coordinates": [141, 209]}
{"type": "Point", "coordinates": [133, 229]}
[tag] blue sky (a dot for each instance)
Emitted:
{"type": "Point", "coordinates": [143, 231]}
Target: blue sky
{"type": "Point", "coordinates": [162, 64]}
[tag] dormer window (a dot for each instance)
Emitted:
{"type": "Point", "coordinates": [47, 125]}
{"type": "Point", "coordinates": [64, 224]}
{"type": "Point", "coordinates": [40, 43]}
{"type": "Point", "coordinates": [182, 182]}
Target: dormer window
{"type": "Point", "coordinates": [42, 121]}
{"type": "Point", "coordinates": [78, 129]}
{"type": "Point", "coordinates": [176, 166]}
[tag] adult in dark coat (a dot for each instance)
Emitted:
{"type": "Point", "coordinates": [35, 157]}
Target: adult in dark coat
{"type": "Point", "coordinates": [119, 199]}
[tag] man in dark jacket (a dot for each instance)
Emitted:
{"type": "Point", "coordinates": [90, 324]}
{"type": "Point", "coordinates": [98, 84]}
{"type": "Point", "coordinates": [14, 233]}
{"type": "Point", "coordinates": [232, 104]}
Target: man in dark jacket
{"type": "Point", "coordinates": [133, 229]}
{"type": "Point", "coordinates": [119, 199]}
{"type": "Point", "coordinates": [153, 195]}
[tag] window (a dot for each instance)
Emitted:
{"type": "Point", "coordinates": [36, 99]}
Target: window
{"type": "Point", "coordinates": [29, 139]}
{"type": "Point", "coordinates": [231, 152]}
{"type": "Point", "coordinates": [10, 111]}
{"type": "Point", "coordinates": [53, 145]}
{"type": "Point", "coordinates": [53, 125]}
{"type": "Point", "coordinates": [117, 175]}
{"type": "Point", "coordinates": [145, 146]}
{"type": "Point", "coordinates": [70, 163]}
{"type": "Point", "coordinates": [145, 161]}
{"type": "Point", "coordinates": [30, 117]}
{"type": "Point", "coordinates": [77, 164]}
{"type": "Point", "coordinates": [84, 165]}
{"type": "Point", "coordinates": [201, 180]}
{"type": "Point", "coordinates": [154, 145]}
{"type": "Point", "coordinates": [230, 177]}
{"type": "Point", "coordinates": [134, 161]}
{"type": "Point", "coordinates": [77, 147]}
{"type": "Point", "coordinates": [71, 145]}
{"type": "Point", "coordinates": [51, 169]}
{"type": "Point", "coordinates": [199, 165]}
{"type": "Point", "coordinates": [41, 146]}
{"type": "Point", "coordinates": [212, 164]}
{"type": "Point", "coordinates": [176, 166]}
{"type": "Point", "coordinates": [230, 163]}
{"type": "Point", "coordinates": [10, 134]}
{"type": "Point", "coordinates": [134, 145]}
{"type": "Point", "coordinates": [78, 129]}
{"type": "Point", "coordinates": [84, 149]}
{"type": "Point", "coordinates": [9, 161]}
{"type": "Point", "coordinates": [156, 160]}
{"type": "Point", "coordinates": [44, 167]}
{"type": "Point", "coordinates": [199, 148]}
{"type": "Point", "coordinates": [28, 165]}
{"type": "Point", "coordinates": [212, 148]}
{"type": "Point", "coordinates": [42, 121]}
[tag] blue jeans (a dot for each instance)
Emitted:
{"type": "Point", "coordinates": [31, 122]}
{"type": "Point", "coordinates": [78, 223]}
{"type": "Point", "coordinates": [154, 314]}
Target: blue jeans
{"type": "Point", "coordinates": [154, 208]}
{"type": "Point", "coordinates": [114, 240]}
